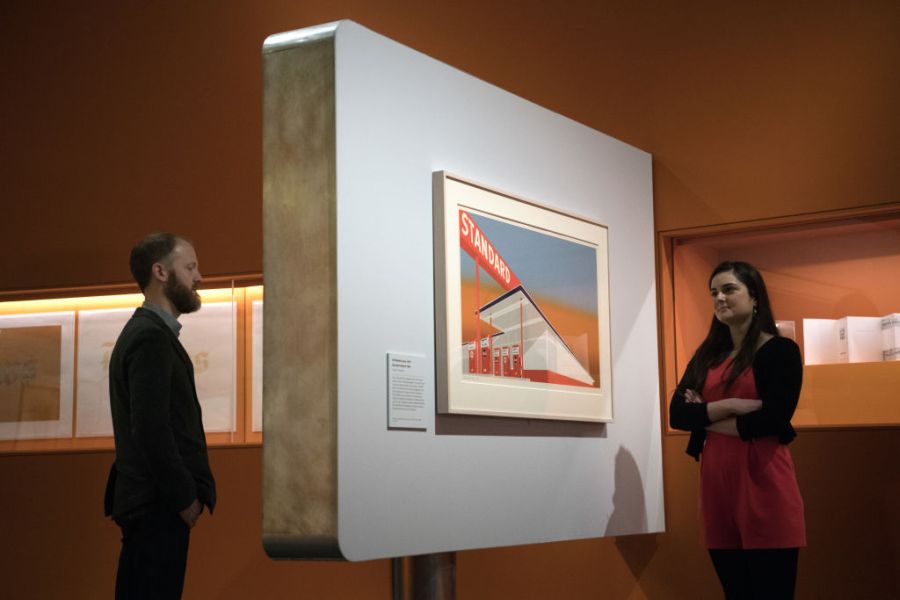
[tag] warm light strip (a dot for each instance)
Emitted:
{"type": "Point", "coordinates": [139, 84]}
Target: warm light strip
{"type": "Point", "coordinates": [102, 302]}
{"type": "Point", "coordinates": [254, 292]}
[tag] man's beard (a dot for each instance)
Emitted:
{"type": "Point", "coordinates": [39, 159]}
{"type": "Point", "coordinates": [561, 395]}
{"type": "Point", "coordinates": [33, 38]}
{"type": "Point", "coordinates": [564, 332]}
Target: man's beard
{"type": "Point", "coordinates": [184, 299]}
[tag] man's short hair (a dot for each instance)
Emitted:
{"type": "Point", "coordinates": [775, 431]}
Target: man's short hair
{"type": "Point", "coordinates": [152, 249]}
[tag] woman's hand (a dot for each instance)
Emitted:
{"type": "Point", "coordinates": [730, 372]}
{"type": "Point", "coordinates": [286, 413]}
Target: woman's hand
{"type": "Point", "coordinates": [692, 397]}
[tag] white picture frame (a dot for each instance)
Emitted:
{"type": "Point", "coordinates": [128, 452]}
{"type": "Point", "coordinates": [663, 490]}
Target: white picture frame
{"type": "Point", "coordinates": [256, 373]}
{"type": "Point", "coordinates": [60, 427]}
{"type": "Point", "coordinates": [529, 361]}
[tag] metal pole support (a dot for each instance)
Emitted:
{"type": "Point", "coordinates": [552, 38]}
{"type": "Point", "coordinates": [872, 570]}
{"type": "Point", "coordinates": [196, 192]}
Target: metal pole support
{"type": "Point", "coordinates": [425, 577]}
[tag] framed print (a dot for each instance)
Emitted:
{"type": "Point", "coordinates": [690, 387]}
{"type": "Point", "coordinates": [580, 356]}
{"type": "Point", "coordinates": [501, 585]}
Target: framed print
{"type": "Point", "coordinates": [522, 307]}
{"type": "Point", "coordinates": [256, 358]}
{"type": "Point", "coordinates": [209, 337]}
{"type": "Point", "coordinates": [98, 331]}
{"type": "Point", "coordinates": [36, 375]}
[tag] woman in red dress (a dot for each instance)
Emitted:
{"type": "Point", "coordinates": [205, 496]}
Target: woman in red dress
{"type": "Point", "coordinates": [736, 398]}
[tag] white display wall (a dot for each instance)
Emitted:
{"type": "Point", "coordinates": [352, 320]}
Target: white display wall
{"type": "Point", "coordinates": [471, 482]}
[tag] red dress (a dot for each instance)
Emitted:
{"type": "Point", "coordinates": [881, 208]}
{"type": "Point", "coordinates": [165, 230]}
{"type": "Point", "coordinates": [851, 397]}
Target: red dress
{"type": "Point", "coordinates": [749, 496]}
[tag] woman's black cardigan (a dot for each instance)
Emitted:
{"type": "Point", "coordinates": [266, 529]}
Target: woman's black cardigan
{"type": "Point", "coordinates": [778, 373]}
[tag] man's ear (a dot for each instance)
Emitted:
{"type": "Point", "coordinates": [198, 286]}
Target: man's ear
{"type": "Point", "coordinates": [159, 272]}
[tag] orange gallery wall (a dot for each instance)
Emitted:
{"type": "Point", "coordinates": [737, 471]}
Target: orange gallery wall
{"type": "Point", "coordinates": [123, 117]}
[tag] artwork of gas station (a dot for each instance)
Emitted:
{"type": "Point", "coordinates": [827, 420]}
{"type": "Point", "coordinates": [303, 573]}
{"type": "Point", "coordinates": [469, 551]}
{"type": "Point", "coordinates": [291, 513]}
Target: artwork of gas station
{"type": "Point", "coordinates": [529, 304]}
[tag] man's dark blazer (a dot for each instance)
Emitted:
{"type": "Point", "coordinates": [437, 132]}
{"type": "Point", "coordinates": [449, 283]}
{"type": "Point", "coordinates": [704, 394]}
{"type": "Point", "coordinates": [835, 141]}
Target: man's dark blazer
{"type": "Point", "coordinates": [161, 459]}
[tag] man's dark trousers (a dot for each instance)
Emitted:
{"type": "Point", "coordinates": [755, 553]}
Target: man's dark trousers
{"type": "Point", "coordinates": [153, 558]}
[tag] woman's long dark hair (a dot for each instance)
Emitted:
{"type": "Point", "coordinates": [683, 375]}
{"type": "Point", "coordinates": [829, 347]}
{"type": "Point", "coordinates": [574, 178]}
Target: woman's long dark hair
{"type": "Point", "coordinates": [718, 345]}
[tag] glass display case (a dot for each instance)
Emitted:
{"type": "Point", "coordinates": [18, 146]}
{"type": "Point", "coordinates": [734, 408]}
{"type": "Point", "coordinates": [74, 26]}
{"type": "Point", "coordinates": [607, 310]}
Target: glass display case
{"type": "Point", "coordinates": [834, 283]}
{"type": "Point", "coordinates": [55, 347]}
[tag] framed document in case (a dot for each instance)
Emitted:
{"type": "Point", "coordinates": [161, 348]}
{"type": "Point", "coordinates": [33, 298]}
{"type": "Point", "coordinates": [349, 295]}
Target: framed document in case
{"type": "Point", "coordinates": [36, 375]}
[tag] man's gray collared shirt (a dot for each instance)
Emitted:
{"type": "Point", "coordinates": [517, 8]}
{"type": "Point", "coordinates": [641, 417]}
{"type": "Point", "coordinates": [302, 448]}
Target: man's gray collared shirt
{"type": "Point", "coordinates": [167, 318]}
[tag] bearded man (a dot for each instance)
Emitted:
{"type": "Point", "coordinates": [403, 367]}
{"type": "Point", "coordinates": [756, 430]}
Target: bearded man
{"type": "Point", "coordinates": [161, 480]}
